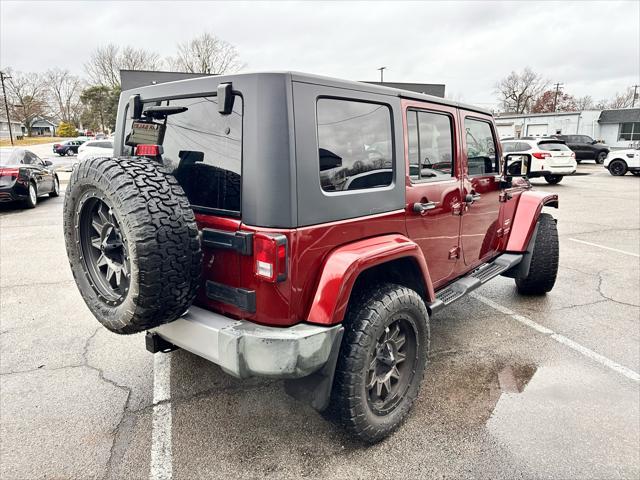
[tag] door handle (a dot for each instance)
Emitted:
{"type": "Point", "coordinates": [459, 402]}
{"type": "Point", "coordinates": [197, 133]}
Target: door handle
{"type": "Point", "coordinates": [471, 197]}
{"type": "Point", "coordinates": [423, 207]}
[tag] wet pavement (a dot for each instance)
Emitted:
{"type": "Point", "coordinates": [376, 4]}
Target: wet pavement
{"type": "Point", "coordinates": [502, 397]}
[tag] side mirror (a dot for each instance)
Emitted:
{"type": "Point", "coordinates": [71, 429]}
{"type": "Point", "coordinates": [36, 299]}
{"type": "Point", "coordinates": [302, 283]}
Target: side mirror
{"type": "Point", "coordinates": [517, 164]}
{"type": "Point", "coordinates": [47, 163]}
{"type": "Point", "coordinates": [225, 98]}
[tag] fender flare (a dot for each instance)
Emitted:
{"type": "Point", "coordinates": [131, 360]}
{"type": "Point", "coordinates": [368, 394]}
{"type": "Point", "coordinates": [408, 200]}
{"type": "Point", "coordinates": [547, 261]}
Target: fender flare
{"type": "Point", "coordinates": [526, 218]}
{"type": "Point", "coordinates": [343, 266]}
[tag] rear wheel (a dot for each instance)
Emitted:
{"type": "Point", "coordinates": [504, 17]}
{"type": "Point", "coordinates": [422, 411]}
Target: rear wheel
{"type": "Point", "coordinates": [600, 157]}
{"type": "Point", "coordinates": [132, 242]}
{"type": "Point", "coordinates": [618, 168]}
{"type": "Point", "coordinates": [32, 198]}
{"type": "Point", "coordinates": [553, 179]}
{"type": "Point", "coordinates": [382, 361]}
{"type": "Point", "coordinates": [543, 269]}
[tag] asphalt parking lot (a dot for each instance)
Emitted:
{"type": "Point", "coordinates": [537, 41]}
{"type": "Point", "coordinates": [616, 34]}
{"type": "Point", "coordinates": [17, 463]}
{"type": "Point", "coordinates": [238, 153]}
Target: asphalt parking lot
{"type": "Point", "coordinates": [516, 387]}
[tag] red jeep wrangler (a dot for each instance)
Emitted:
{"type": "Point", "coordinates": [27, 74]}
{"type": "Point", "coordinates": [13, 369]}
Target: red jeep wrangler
{"type": "Point", "coordinates": [301, 227]}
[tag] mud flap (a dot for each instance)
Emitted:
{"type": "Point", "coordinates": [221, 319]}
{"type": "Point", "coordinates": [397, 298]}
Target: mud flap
{"type": "Point", "coordinates": [522, 269]}
{"type": "Point", "coordinates": [315, 389]}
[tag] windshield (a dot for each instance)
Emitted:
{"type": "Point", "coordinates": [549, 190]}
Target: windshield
{"type": "Point", "coordinates": [10, 157]}
{"type": "Point", "coordinates": [553, 146]}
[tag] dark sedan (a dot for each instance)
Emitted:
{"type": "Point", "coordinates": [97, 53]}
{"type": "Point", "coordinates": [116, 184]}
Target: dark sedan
{"type": "Point", "coordinates": [69, 147]}
{"type": "Point", "coordinates": [24, 177]}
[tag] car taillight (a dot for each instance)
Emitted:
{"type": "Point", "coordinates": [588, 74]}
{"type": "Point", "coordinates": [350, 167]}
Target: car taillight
{"type": "Point", "coordinates": [270, 253]}
{"type": "Point", "coordinates": [573, 154]}
{"type": "Point", "coordinates": [56, 145]}
{"type": "Point", "coordinates": [148, 150]}
{"type": "Point", "coordinates": [10, 172]}
{"type": "Point", "coordinates": [541, 155]}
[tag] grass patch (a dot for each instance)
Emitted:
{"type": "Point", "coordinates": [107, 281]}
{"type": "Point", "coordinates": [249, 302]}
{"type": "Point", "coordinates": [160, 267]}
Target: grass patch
{"type": "Point", "coordinates": [25, 142]}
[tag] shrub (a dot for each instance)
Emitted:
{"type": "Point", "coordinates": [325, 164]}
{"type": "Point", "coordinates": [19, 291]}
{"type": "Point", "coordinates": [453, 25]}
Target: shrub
{"type": "Point", "coordinates": [67, 130]}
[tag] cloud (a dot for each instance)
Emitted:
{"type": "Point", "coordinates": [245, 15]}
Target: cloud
{"type": "Point", "coordinates": [591, 47]}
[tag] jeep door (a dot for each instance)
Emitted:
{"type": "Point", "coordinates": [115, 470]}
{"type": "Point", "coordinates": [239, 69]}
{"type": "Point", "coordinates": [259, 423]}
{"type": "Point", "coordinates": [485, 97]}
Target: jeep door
{"type": "Point", "coordinates": [433, 182]}
{"type": "Point", "coordinates": [480, 188]}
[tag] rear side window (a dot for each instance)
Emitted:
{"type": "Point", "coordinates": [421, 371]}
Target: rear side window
{"type": "Point", "coordinates": [508, 147]}
{"type": "Point", "coordinates": [481, 147]}
{"type": "Point", "coordinates": [204, 150]}
{"type": "Point", "coordinates": [430, 146]}
{"type": "Point", "coordinates": [355, 147]}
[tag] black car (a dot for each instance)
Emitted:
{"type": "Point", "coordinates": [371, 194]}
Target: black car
{"type": "Point", "coordinates": [24, 177]}
{"type": "Point", "coordinates": [585, 147]}
{"type": "Point", "coordinates": [69, 147]}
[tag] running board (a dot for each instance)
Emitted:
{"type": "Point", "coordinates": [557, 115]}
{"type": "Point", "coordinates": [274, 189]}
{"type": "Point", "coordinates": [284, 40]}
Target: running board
{"type": "Point", "coordinates": [473, 280]}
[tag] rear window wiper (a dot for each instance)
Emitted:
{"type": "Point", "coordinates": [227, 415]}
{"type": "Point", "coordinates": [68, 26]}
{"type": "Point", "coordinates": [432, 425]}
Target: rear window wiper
{"type": "Point", "coordinates": [161, 112]}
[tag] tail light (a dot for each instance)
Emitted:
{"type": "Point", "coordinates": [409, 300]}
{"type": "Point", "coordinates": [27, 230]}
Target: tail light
{"type": "Point", "coordinates": [541, 155]}
{"type": "Point", "coordinates": [148, 150]}
{"type": "Point", "coordinates": [270, 254]}
{"type": "Point", "coordinates": [10, 172]}
{"type": "Point", "coordinates": [573, 154]}
{"type": "Point", "coordinates": [56, 145]}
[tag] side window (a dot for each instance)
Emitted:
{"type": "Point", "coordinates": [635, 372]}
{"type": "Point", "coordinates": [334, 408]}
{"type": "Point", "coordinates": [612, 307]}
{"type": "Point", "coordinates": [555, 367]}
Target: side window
{"type": "Point", "coordinates": [430, 146]}
{"type": "Point", "coordinates": [355, 145]}
{"type": "Point", "coordinates": [523, 147]}
{"type": "Point", "coordinates": [30, 159]}
{"type": "Point", "coordinates": [508, 147]}
{"type": "Point", "coordinates": [481, 147]}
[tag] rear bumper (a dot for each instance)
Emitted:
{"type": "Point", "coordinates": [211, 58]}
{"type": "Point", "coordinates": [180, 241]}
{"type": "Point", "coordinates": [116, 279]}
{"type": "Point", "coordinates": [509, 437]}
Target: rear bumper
{"type": "Point", "coordinates": [12, 194]}
{"type": "Point", "coordinates": [244, 349]}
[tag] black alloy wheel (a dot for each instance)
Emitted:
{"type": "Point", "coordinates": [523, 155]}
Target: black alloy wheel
{"type": "Point", "coordinates": [600, 158]}
{"type": "Point", "coordinates": [104, 250]}
{"type": "Point", "coordinates": [391, 366]}
{"type": "Point", "coordinates": [617, 168]}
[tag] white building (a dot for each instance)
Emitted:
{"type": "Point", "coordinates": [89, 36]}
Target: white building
{"type": "Point", "coordinates": [617, 128]}
{"type": "Point", "coordinates": [16, 128]}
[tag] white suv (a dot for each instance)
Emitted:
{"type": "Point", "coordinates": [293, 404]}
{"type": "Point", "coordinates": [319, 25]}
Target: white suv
{"type": "Point", "coordinates": [619, 162]}
{"type": "Point", "coordinates": [94, 149]}
{"type": "Point", "coordinates": [550, 157]}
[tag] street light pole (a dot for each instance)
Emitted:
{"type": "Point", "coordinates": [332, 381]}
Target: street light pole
{"type": "Point", "coordinates": [6, 105]}
{"type": "Point", "coordinates": [382, 69]}
{"type": "Point", "coordinates": [635, 95]}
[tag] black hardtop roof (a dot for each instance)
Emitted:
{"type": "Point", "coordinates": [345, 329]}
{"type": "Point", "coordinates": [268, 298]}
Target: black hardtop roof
{"type": "Point", "coordinates": [151, 91]}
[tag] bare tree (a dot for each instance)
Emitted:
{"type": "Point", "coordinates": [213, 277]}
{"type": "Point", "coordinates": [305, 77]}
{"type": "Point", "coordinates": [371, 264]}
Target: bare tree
{"type": "Point", "coordinates": [622, 100]}
{"type": "Point", "coordinates": [206, 54]}
{"type": "Point", "coordinates": [584, 103]}
{"type": "Point", "coordinates": [27, 97]}
{"type": "Point", "coordinates": [106, 62]}
{"type": "Point", "coordinates": [518, 91]}
{"type": "Point", "coordinates": [64, 93]}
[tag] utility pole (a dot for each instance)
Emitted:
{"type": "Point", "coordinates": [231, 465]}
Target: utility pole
{"type": "Point", "coordinates": [555, 98]}
{"type": "Point", "coordinates": [6, 105]}
{"type": "Point", "coordinates": [382, 69]}
{"type": "Point", "coordinates": [635, 95]}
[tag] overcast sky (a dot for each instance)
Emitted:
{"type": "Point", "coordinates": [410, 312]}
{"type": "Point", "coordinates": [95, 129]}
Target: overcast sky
{"type": "Point", "coordinates": [591, 47]}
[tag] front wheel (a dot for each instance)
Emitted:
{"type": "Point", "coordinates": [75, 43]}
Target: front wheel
{"type": "Point", "coordinates": [553, 179]}
{"type": "Point", "coordinates": [382, 361]}
{"type": "Point", "coordinates": [543, 269]}
{"type": "Point", "coordinates": [617, 168]}
{"type": "Point", "coordinates": [600, 157]}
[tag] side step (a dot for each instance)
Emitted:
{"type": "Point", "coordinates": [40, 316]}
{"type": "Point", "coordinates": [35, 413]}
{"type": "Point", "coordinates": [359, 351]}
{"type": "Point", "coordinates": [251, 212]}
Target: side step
{"type": "Point", "coordinates": [473, 280]}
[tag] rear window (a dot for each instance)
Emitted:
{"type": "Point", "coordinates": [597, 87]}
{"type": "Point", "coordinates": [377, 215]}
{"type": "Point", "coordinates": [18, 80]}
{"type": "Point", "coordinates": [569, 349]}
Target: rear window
{"type": "Point", "coordinates": [204, 150]}
{"type": "Point", "coordinates": [354, 145]}
{"type": "Point", "coordinates": [553, 146]}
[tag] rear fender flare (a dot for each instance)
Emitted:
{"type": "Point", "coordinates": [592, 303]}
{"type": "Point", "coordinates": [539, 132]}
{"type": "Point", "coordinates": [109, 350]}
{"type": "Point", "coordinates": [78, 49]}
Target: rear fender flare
{"type": "Point", "coordinates": [526, 218]}
{"type": "Point", "coordinates": [343, 266]}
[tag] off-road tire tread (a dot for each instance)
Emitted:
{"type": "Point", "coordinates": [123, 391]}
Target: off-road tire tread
{"type": "Point", "coordinates": [167, 242]}
{"type": "Point", "coordinates": [544, 259]}
{"type": "Point", "coordinates": [365, 309]}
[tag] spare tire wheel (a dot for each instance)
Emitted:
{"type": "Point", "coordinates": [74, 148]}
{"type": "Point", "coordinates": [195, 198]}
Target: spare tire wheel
{"type": "Point", "coordinates": [132, 242]}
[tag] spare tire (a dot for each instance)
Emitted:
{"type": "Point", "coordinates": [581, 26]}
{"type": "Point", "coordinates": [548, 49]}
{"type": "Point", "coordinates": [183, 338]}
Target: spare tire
{"type": "Point", "coordinates": [132, 242]}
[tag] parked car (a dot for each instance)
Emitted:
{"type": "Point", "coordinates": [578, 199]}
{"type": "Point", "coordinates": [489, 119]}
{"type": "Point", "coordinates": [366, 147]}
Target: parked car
{"type": "Point", "coordinates": [585, 147]}
{"type": "Point", "coordinates": [95, 148]}
{"type": "Point", "coordinates": [70, 147]}
{"type": "Point", "coordinates": [619, 162]}
{"type": "Point", "coordinates": [212, 230]}
{"type": "Point", "coordinates": [551, 158]}
{"type": "Point", "coordinates": [24, 177]}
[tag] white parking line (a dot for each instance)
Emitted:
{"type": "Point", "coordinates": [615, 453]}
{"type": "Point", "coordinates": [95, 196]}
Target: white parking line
{"type": "Point", "coordinates": [616, 367]}
{"type": "Point", "coordinates": [161, 456]}
{"type": "Point", "coordinates": [605, 248]}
